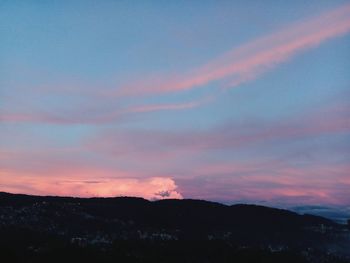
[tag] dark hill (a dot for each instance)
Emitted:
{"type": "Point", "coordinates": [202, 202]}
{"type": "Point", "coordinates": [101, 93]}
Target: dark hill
{"type": "Point", "coordinates": [32, 222]}
{"type": "Point", "coordinates": [174, 214]}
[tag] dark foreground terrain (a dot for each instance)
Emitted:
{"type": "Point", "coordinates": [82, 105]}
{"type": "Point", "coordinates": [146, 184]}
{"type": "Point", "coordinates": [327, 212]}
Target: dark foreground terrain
{"type": "Point", "coordinates": [60, 229]}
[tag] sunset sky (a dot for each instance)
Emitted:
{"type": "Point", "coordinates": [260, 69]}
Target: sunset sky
{"type": "Point", "coordinates": [230, 101]}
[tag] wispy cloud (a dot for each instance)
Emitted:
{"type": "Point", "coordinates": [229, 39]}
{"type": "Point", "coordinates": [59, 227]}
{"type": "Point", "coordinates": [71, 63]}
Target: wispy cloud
{"type": "Point", "coordinates": [161, 107]}
{"type": "Point", "coordinates": [131, 162]}
{"type": "Point", "coordinates": [91, 116]}
{"type": "Point", "coordinates": [162, 144]}
{"type": "Point", "coordinates": [280, 183]}
{"type": "Point", "coordinates": [247, 62]}
{"type": "Point", "coordinates": [237, 66]}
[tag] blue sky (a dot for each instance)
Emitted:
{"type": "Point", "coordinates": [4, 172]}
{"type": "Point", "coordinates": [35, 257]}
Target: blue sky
{"type": "Point", "coordinates": [216, 100]}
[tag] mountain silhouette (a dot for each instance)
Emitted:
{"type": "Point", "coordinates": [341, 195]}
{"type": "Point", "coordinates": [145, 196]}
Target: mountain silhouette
{"type": "Point", "coordinates": [39, 225]}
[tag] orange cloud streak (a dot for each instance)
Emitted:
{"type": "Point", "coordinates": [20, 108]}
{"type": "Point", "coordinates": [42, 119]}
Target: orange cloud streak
{"type": "Point", "coordinates": [88, 185]}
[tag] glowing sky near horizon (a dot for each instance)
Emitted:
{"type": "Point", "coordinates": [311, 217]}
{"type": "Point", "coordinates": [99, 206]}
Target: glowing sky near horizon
{"type": "Point", "coordinates": [230, 101]}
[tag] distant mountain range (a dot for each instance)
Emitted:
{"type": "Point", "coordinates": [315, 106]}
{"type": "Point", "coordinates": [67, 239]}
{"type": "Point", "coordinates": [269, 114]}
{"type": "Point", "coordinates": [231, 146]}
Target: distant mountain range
{"type": "Point", "coordinates": [339, 214]}
{"type": "Point", "coordinates": [29, 223]}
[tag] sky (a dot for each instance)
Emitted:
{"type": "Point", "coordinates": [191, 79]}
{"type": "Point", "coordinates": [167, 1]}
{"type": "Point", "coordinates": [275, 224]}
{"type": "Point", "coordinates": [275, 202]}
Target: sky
{"type": "Point", "coordinates": [229, 101]}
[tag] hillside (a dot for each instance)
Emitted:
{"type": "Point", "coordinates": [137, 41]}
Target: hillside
{"type": "Point", "coordinates": [34, 224]}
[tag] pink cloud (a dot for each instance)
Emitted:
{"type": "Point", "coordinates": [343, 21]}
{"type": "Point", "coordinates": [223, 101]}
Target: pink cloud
{"type": "Point", "coordinates": [68, 172]}
{"type": "Point", "coordinates": [252, 59]}
{"type": "Point", "coordinates": [240, 65]}
{"type": "Point", "coordinates": [167, 145]}
{"type": "Point", "coordinates": [159, 107]}
{"type": "Point", "coordinates": [107, 116]}
{"type": "Point", "coordinates": [22, 117]}
{"type": "Point", "coordinates": [283, 183]}
{"type": "Point", "coordinates": [172, 106]}
{"type": "Point", "coordinates": [314, 182]}
{"type": "Point", "coordinates": [88, 184]}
